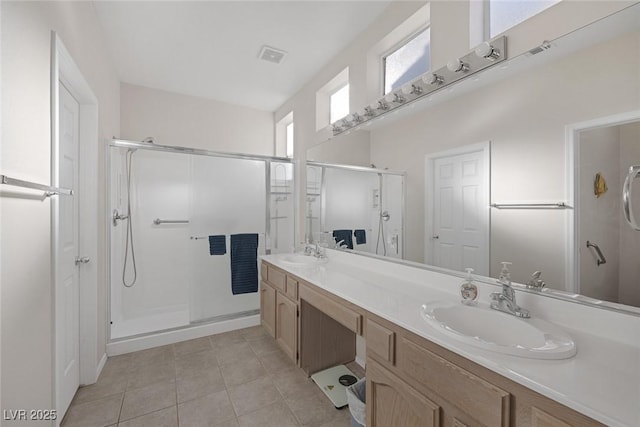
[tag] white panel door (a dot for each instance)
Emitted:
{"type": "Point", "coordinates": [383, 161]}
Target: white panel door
{"type": "Point", "coordinates": [67, 306]}
{"type": "Point", "coordinates": [460, 213]}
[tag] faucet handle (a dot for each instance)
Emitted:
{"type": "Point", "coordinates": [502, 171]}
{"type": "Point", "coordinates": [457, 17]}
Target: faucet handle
{"type": "Point", "coordinates": [535, 282]}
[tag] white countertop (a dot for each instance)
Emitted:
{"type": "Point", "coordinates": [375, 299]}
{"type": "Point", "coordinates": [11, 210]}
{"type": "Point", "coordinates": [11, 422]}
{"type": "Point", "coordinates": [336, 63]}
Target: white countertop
{"type": "Point", "coordinates": [602, 381]}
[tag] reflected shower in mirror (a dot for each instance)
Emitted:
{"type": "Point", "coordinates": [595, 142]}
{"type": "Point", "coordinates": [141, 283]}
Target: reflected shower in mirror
{"type": "Point", "coordinates": [534, 111]}
{"type": "Point", "coordinates": [357, 208]}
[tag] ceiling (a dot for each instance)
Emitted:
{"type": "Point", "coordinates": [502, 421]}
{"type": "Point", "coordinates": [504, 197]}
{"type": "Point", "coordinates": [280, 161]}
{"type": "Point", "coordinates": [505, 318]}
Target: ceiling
{"type": "Point", "coordinates": [210, 48]}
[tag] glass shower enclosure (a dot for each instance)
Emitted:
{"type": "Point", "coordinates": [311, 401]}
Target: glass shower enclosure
{"type": "Point", "coordinates": [176, 216]}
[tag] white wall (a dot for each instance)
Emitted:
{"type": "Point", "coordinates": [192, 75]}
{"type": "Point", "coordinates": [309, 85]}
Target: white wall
{"type": "Point", "coordinates": [26, 293]}
{"type": "Point", "coordinates": [189, 121]}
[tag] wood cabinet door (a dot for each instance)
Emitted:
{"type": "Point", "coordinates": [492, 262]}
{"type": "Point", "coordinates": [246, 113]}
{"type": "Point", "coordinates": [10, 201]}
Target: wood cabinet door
{"type": "Point", "coordinates": [287, 325]}
{"type": "Point", "coordinates": [392, 402]}
{"type": "Point", "coordinates": [268, 308]}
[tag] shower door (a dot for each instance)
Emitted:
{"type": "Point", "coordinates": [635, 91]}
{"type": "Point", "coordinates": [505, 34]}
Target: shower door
{"type": "Point", "coordinates": [228, 196]}
{"type": "Point", "coordinates": [164, 203]}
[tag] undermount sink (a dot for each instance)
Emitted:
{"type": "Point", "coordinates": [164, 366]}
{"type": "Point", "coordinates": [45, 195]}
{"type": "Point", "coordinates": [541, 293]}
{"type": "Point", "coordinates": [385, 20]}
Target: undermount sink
{"type": "Point", "coordinates": [303, 260]}
{"type": "Point", "coordinates": [492, 330]}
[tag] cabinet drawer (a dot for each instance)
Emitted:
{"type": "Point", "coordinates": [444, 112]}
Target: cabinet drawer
{"type": "Point", "coordinates": [276, 278]}
{"type": "Point", "coordinates": [343, 315]}
{"type": "Point", "coordinates": [480, 399]}
{"type": "Point", "coordinates": [381, 341]}
{"type": "Point", "coordinates": [539, 418]}
{"type": "Point", "coordinates": [291, 289]}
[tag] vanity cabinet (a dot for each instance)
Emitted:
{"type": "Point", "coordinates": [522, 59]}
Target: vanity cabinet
{"type": "Point", "coordinates": [464, 393]}
{"type": "Point", "coordinates": [279, 307]}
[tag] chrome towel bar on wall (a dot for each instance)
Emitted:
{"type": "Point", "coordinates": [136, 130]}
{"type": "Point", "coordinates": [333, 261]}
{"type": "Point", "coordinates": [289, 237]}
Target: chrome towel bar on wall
{"type": "Point", "coordinates": [557, 205]}
{"type": "Point", "coordinates": [159, 221]}
{"type": "Point", "coordinates": [48, 190]}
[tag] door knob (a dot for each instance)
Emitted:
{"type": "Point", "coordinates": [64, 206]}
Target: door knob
{"type": "Point", "coordinates": [82, 260]}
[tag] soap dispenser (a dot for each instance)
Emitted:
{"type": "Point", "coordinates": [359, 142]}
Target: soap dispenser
{"type": "Point", "coordinates": [469, 290]}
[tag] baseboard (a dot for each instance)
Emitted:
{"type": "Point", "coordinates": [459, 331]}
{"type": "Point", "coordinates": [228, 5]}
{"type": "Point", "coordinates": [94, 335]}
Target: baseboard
{"type": "Point", "coordinates": [171, 337]}
{"type": "Point", "coordinates": [101, 364]}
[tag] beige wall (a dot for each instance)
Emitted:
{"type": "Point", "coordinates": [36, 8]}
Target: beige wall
{"type": "Point", "coordinates": [521, 116]}
{"type": "Point", "coordinates": [26, 285]}
{"type": "Point", "coordinates": [189, 121]}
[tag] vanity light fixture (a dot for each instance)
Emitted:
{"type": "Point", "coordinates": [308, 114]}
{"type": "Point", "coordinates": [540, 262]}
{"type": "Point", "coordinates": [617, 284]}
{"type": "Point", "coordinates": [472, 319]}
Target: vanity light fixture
{"type": "Point", "coordinates": [486, 50]}
{"type": "Point", "coordinates": [428, 85]}
{"type": "Point", "coordinates": [456, 66]}
{"type": "Point", "coordinates": [433, 79]}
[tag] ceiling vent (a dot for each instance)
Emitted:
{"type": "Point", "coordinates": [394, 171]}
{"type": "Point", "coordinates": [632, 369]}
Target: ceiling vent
{"type": "Point", "coordinates": [271, 54]}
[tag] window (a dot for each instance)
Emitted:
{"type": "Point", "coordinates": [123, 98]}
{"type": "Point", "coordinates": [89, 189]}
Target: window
{"type": "Point", "coordinates": [332, 100]}
{"type": "Point", "coordinates": [407, 61]}
{"type": "Point", "coordinates": [504, 14]}
{"type": "Point", "coordinates": [339, 103]}
{"type": "Point", "coordinates": [284, 136]}
{"type": "Point", "coordinates": [289, 139]}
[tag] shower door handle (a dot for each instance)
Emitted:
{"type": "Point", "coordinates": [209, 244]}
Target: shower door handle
{"type": "Point", "coordinates": [82, 260]}
{"type": "Point", "coordinates": [627, 205]}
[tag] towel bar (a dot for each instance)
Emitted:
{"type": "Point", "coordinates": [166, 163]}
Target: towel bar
{"type": "Point", "coordinates": [48, 190]}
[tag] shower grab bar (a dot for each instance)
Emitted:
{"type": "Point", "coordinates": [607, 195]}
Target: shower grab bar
{"type": "Point", "coordinates": [634, 172]}
{"type": "Point", "coordinates": [159, 221]}
{"type": "Point", "coordinates": [48, 190]}
{"type": "Point", "coordinates": [206, 237]}
{"type": "Point", "coordinates": [558, 205]}
{"type": "Point", "coordinates": [601, 259]}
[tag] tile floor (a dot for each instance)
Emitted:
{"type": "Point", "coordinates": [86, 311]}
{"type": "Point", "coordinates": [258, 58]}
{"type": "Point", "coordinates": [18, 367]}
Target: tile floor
{"type": "Point", "coordinates": [238, 378]}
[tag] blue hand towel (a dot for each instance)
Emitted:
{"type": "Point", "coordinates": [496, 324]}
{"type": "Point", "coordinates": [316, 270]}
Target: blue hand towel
{"type": "Point", "coordinates": [244, 263]}
{"type": "Point", "coordinates": [217, 245]}
{"type": "Point", "coordinates": [361, 237]}
{"type": "Point", "coordinates": [344, 235]}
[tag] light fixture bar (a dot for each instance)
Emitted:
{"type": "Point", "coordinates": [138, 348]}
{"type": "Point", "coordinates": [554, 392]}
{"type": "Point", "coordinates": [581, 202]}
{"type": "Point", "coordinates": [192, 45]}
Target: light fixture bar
{"type": "Point", "coordinates": [484, 56]}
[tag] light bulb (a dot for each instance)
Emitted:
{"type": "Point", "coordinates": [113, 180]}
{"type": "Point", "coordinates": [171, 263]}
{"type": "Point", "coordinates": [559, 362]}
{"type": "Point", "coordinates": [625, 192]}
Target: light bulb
{"type": "Point", "coordinates": [485, 50]}
{"type": "Point", "coordinates": [456, 65]}
{"type": "Point", "coordinates": [432, 79]}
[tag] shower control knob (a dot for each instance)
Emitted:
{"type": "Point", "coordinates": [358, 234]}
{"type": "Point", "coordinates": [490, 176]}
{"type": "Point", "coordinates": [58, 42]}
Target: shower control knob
{"type": "Point", "coordinates": [82, 260]}
{"type": "Point", "coordinates": [435, 237]}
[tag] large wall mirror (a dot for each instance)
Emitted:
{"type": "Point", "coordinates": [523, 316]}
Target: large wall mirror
{"type": "Point", "coordinates": [525, 163]}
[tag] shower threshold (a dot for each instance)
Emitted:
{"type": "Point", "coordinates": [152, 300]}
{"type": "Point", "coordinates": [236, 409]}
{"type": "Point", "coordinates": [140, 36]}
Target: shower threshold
{"type": "Point", "coordinates": [224, 317]}
{"type": "Point", "coordinates": [193, 329]}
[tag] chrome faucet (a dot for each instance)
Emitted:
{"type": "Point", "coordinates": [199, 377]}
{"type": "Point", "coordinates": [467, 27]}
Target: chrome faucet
{"type": "Point", "coordinates": [341, 245]}
{"type": "Point", "coordinates": [314, 249]}
{"type": "Point", "coordinates": [536, 282]}
{"type": "Point", "coordinates": [505, 301]}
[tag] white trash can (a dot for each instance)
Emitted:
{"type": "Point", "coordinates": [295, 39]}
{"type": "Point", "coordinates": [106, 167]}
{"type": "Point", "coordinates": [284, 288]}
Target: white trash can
{"type": "Point", "coordinates": [356, 397]}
